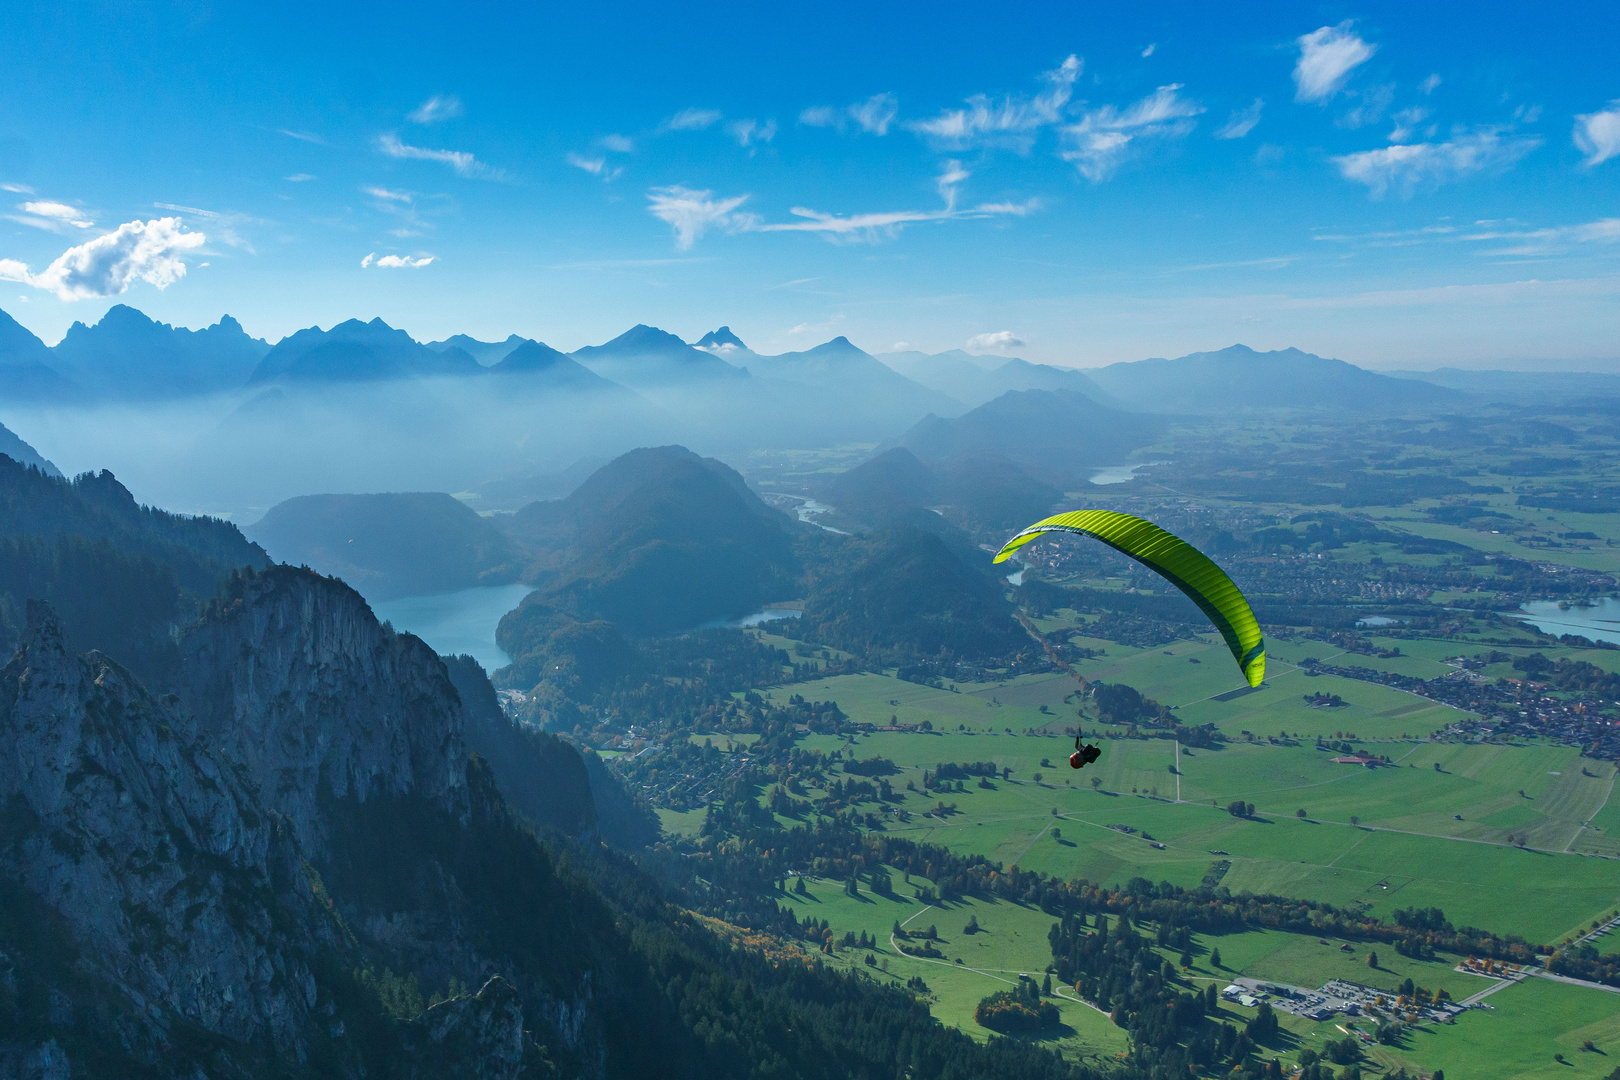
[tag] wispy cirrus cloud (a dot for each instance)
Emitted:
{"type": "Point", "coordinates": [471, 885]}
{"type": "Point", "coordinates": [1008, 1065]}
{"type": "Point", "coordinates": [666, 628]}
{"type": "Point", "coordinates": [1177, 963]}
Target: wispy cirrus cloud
{"type": "Point", "coordinates": [51, 216]}
{"type": "Point", "coordinates": [1241, 122]}
{"type": "Point", "coordinates": [618, 144]}
{"type": "Point", "coordinates": [1327, 56]}
{"type": "Point", "coordinates": [1011, 122]}
{"type": "Point", "coordinates": [1103, 136]}
{"type": "Point", "coordinates": [1549, 241]}
{"type": "Point", "coordinates": [1406, 122]}
{"type": "Point", "coordinates": [436, 109]}
{"type": "Point", "coordinates": [751, 131]}
{"type": "Point", "coordinates": [1406, 167]}
{"type": "Point", "coordinates": [692, 213]}
{"type": "Point", "coordinates": [1000, 341]}
{"type": "Point", "coordinates": [304, 136]}
{"type": "Point", "coordinates": [17, 189]}
{"type": "Point", "coordinates": [223, 224]}
{"type": "Point", "coordinates": [463, 162]}
{"type": "Point", "coordinates": [691, 120]}
{"type": "Point", "coordinates": [1597, 135]}
{"type": "Point", "coordinates": [396, 262]}
{"type": "Point", "coordinates": [874, 115]}
{"type": "Point", "coordinates": [298, 178]}
{"type": "Point", "coordinates": [151, 251]}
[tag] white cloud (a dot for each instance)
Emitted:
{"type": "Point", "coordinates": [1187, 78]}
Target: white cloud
{"type": "Point", "coordinates": [18, 189]}
{"type": "Point", "coordinates": [304, 136]}
{"type": "Point", "coordinates": [222, 224]}
{"type": "Point", "coordinates": [463, 162]}
{"type": "Point", "coordinates": [692, 120]}
{"type": "Point", "coordinates": [395, 262]}
{"type": "Point", "coordinates": [388, 195]}
{"type": "Point", "coordinates": [1371, 107]}
{"type": "Point", "coordinates": [1011, 123]}
{"type": "Point", "coordinates": [594, 166]}
{"type": "Point", "coordinates": [1241, 122]}
{"type": "Point", "coordinates": [436, 108]}
{"type": "Point", "coordinates": [999, 341]}
{"type": "Point", "coordinates": [108, 265]}
{"type": "Point", "coordinates": [1406, 167]}
{"type": "Point", "coordinates": [299, 178]}
{"type": "Point", "coordinates": [1101, 138]}
{"type": "Point", "coordinates": [901, 346]}
{"type": "Point", "coordinates": [1597, 135]}
{"type": "Point", "coordinates": [52, 216]}
{"type": "Point", "coordinates": [619, 144]}
{"type": "Point", "coordinates": [751, 131]}
{"type": "Point", "coordinates": [874, 115]}
{"type": "Point", "coordinates": [1147, 52]}
{"type": "Point", "coordinates": [1429, 85]}
{"type": "Point", "coordinates": [1406, 121]}
{"type": "Point", "coordinates": [1326, 58]}
{"type": "Point", "coordinates": [692, 213]}
{"type": "Point", "coordinates": [1535, 242]}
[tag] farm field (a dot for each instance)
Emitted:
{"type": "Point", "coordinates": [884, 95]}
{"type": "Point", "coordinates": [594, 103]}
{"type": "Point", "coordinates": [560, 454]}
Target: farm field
{"type": "Point", "coordinates": [1012, 941]}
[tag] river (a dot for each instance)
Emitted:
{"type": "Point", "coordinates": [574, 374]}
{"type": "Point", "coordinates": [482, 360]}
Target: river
{"type": "Point", "coordinates": [457, 622]}
{"type": "Point", "coordinates": [1600, 622]}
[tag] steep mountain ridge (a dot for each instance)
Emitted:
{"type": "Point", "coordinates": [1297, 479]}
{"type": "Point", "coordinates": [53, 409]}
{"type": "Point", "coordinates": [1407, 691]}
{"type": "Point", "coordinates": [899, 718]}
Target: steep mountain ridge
{"type": "Point", "coordinates": [647, 357]}
{"type": "Point", "coordinates": [129, 356]}
{"type": "Point", "coordinates": [12, 446]}
{"type": "Point", "coordinates": [26, 367]}
{"type": "Point", "coordinates": [485, 352]}
{"type": "Point", "coordinates": [355, 351]}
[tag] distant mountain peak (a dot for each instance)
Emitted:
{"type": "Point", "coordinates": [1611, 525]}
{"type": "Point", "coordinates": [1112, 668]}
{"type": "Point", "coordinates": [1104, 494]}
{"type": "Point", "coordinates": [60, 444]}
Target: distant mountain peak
{"type": "Point", "coordinates": [722, 341]}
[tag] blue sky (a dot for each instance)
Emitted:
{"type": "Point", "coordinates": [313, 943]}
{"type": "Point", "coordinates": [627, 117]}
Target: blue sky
{"type": "Point", "coordinates": [1394, 185]}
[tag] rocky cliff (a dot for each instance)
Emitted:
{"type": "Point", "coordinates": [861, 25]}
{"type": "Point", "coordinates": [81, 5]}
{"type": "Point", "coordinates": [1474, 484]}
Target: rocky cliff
{"type": "Point", "coordinates": [289, 868]}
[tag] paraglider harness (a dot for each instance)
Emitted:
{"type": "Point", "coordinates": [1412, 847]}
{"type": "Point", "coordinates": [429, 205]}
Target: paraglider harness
{"type": "Point", "coordinates": [1083, 755]}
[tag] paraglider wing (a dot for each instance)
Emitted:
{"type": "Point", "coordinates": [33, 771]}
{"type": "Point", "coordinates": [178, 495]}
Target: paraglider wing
{"type": "Point", "coordinates": [1179, 563]}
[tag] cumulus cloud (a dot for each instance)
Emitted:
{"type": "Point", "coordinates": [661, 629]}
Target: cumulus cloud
{"type": "Point", "coordinates": [692, 120]}
{"type": "Point", "coordinates": [1597, 135]}
{"type": "Point", "coordinates": [51, 216]}
{"type": "Point", "coordinates": [692, 213]}
{"type": "Point", "coordinates": [436, 108]}
{"type": "Point", "coordinates": [1327, 56]}
{"type": "Point", "coordinates": [1101, 139]}
{"type": "Point", "coordinates": [396, 262]}
{"type": "Point", "coordinates": [751, 131]}
{"type": "Point", "coordinates": [619, 144]}
{"type": "Point", "coordinates": [222, 225]}
{"type": "Point", "coordinates": [1241, 122]}
{"type": "Point", "coordinates": [874, 115]}
{"type": "Point", "coordinates": [463, 162]}
{"type": "Point", "coordinates": [999, 341]}
{"type": "Point", "coordinates": [1409, 166]}
{"type": "Point", "coordinates": [150, 251]}
{"type": "Point", "coordinates": [1012, 122]}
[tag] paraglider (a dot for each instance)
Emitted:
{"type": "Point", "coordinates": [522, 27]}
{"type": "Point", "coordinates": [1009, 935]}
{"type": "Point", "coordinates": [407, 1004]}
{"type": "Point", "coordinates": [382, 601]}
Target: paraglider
{"type": "Point", "coordinates": [1179, 563]}
{"type": "Point", "coordinates": [1083, 755]}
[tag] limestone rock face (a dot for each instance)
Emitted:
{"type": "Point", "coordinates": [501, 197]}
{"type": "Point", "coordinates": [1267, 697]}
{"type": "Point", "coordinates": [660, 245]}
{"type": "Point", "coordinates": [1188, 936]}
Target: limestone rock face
{"type": "Point", "coordinates": [154, 851]}
{"type": "Point", "coordinates": [291, 676]}
{"type": "Point", "coordinates": [476, 1037]}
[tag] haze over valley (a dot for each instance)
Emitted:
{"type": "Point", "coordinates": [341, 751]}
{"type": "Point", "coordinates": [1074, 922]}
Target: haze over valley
{"type": "Point", "coordinates": [591, 543]}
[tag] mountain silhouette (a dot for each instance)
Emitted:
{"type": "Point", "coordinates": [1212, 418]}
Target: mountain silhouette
{"type": "Point", "coordinates": [26, 371]}
{"type": "Point", "coordinates": [647, 357]}
{"type": "Point", "coordinates": [974, 380]}
{"type": "Point", "coordinates": [356, 351]}
{"type": "Point", "coordinates": [12, 446]}
{"type": "Point", "coordinates": [485, 352]}
{"type": "Point", "coordinates": [128, 356]}
{"type": "Point", "coordinates": [1237, 377]}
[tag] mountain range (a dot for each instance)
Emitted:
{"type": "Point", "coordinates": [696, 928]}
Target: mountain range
{"type": "Point", "coordinates": [974, 380]}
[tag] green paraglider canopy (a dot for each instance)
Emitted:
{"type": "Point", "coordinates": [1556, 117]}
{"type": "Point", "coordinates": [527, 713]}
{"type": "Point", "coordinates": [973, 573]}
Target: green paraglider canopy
{"type": "Point", "coordinates": [1179, 563]}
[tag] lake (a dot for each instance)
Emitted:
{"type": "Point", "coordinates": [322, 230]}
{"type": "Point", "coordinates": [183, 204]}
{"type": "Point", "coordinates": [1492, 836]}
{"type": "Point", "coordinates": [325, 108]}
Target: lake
{"type": "Point", "coordinates": [457, 622]}
{"type": "Point", "coordinates": [1600, 622]}
{"type": "Point", "coordinates": [1119, 474]}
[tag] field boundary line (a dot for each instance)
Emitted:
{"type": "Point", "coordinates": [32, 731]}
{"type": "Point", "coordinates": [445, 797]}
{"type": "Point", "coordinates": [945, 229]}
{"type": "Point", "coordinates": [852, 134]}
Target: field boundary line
{"type": "Point", "coordinates": [1606, 796]}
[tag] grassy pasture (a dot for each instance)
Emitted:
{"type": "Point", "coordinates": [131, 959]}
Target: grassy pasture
{"type": "Point", "coordinates": [1013, 940]}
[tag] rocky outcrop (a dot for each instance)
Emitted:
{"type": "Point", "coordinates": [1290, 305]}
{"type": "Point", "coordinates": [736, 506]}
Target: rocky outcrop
{"type": "Point", "coordinates": [175, 881]}
{"type": "Point", "coordinates": [290, 675]}
{"type": "Point", "coordinates": [478, 1037]}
